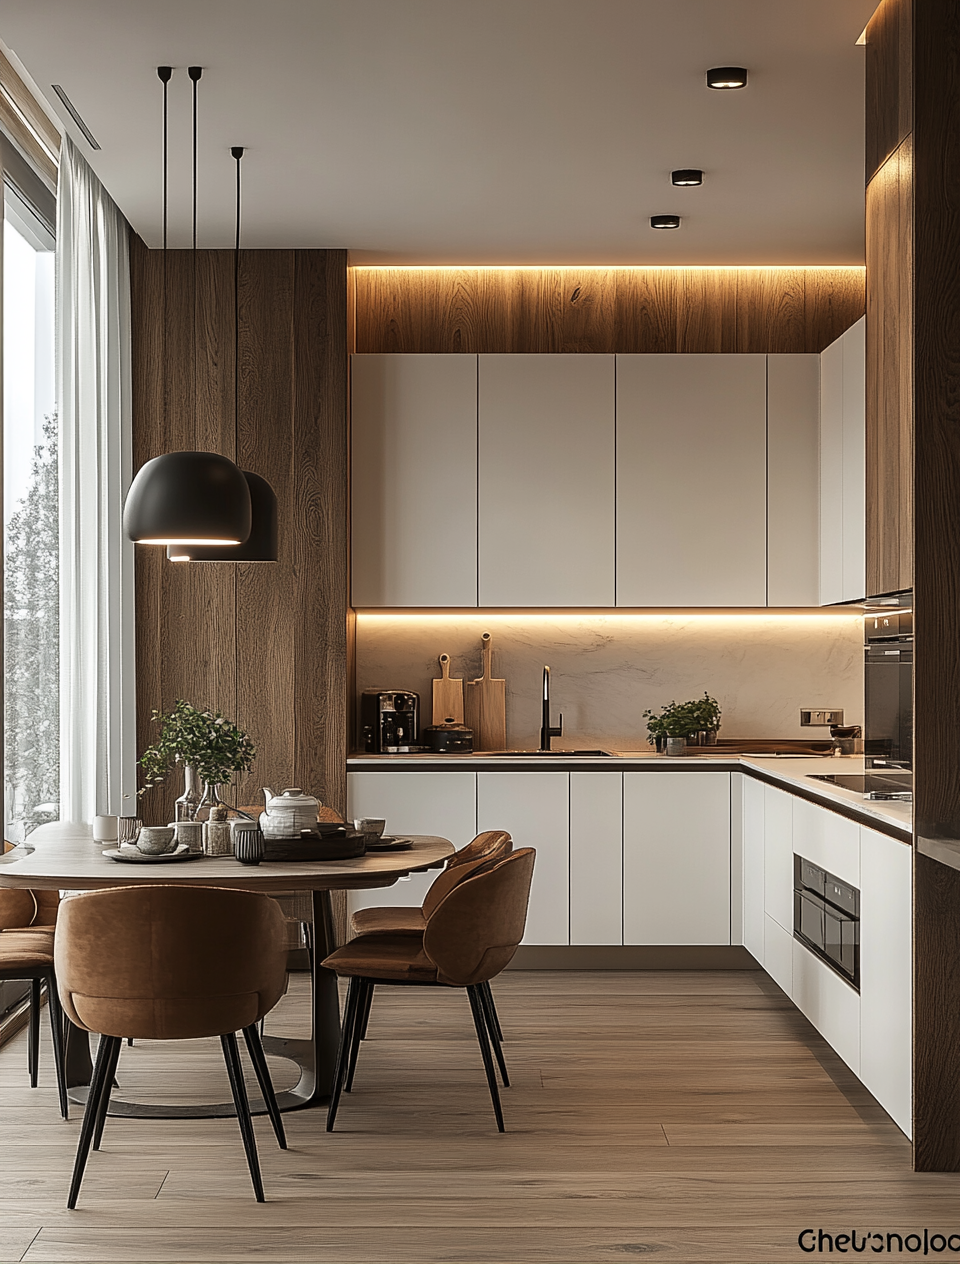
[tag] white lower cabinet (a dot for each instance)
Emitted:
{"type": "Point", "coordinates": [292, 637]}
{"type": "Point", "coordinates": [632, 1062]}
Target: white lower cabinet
{"type": "Point", "coordinates": [827, 840]}
{"type": "Point", "coordinates": [778, 856]}
{"type": "Point", "coordinates": [596, 858]}
{"type": "Point", "coordinates": [829, 1003]}
{"type": "Point", "coordinates": [778, 954]}
{"type": "Point", "coordinates": [676, 858]}
{"type": "Point", "coordinates": [443, 803]}
{"type": "Point", "coordinates": [752, 863]}
{"type": "Point", "coordinates": [534, 807]}
{"type": "Point", "coordinates": [886, 986]}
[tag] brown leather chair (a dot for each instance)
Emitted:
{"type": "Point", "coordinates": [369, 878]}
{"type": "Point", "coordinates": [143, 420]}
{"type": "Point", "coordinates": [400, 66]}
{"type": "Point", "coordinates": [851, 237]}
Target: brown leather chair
{"type": "Point", "coordinates": [27, 920]}
{"type": "Point", "coordinates": [171, 963]}
{"type": "Point", "coordinates": [396, 920]}
{"type": "Point", "coordinates": [471, 935]}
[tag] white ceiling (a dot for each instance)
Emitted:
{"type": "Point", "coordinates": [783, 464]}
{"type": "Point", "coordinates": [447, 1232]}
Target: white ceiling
{"type": "Point", "coordinates": [475, 131]}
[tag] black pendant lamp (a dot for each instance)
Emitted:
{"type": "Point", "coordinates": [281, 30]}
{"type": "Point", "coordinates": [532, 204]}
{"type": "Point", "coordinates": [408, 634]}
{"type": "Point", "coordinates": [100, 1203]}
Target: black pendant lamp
{"type": "Point", "coordinates": [186, 498]}
{"type": "Point", "coordinates": [262, 543]}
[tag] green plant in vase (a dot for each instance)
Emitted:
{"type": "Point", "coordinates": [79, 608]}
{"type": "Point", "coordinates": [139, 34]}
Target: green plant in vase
{"type": "Point", "coordinates": [210, 747]}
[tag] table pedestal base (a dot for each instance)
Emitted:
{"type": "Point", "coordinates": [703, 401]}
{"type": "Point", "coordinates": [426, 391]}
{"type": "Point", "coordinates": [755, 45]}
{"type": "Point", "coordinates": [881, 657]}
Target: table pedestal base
{"type": "Point", "coordinates": [316, 1057]}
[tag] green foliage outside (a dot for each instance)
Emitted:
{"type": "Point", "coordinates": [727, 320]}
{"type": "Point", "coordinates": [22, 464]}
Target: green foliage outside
{"type": "Point", "coordinates": [32, 647]}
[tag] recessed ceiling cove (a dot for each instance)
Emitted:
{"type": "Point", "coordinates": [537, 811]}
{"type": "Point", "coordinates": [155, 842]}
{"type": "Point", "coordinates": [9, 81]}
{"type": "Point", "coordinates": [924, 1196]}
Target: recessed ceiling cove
{"type": "Point", "coordinates": [451, 131]}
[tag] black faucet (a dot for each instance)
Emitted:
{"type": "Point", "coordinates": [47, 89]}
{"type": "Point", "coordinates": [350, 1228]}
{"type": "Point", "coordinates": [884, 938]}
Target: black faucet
{"type": "Point", "coordinates": [546, 729]}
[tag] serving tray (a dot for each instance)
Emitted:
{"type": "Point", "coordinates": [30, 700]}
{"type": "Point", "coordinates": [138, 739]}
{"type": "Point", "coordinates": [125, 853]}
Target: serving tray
{"type": "Point", "coordinates": [130, 855]}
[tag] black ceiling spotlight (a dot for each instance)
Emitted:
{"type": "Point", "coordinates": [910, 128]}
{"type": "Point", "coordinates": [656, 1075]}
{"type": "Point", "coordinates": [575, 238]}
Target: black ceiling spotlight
{"type": "Point", "coordinates": [664, 221]}
{"type": "Point", "coordinates": [685, 176]}
{"type": "Point", "coordinates": [185, 498]}
{"type": "Point", "coordinates": [262, 543]}
{"type": "Point", "coordinates": [727, 77]}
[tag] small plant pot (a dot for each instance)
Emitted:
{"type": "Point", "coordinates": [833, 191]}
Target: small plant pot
{"type": "Point", "coordinates": [709, 737]}
{"type": "Point", "coordinates": [676, 745]}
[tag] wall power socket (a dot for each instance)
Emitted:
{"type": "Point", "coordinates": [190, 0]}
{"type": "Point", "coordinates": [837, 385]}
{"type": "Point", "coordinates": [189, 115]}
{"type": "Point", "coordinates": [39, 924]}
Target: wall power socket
{"type": "Point", "coordinates": [820, 717]}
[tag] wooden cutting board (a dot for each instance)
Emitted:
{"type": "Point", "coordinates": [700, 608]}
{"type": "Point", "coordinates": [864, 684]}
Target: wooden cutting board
{"type": "Point", "coordinates": [485, 706]}
{"type": "Point", "coordinates": [447, 695]}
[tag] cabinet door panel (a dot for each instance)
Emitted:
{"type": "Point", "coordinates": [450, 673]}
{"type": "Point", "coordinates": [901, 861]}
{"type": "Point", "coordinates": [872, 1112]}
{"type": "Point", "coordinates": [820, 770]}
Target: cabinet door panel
{"type": "Point", "coordinates": [546, 480]}
{"type": "Point", "coordinates": [533, 806]}
{"type": "Point", "coordinates": [854, 461]}
{"type": "Point", "coordinates": [829, 1003]}
{"type": "Point", "coordinates": [596, 858]}
{"type": "Point", "coordinates": [691, 449]}
{"type": "Point", "coordinates": [753, 935]}
{"type": "Point", "coordinates": [443, 803]}
{"type": "Point", "coordinates": [676, 858]}
{"type": "Point", "coordinates": [886, 987]}
{"type": "Point", "coordinates": [793, 470]}
{"type": "Point", "coordinates": [778, 954]}
{"type": "Point", "coordinates": [414, 473]}
{"type": "Point", "coordinates": [829, 840]}
{"type": "Point", "coordinates": [778, 809]}
{"type": "Point", "coordinates": [831, 474]}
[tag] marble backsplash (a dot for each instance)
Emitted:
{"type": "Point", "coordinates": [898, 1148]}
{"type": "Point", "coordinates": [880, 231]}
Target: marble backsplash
{"type": "Point", "coordinates": [607, 668]}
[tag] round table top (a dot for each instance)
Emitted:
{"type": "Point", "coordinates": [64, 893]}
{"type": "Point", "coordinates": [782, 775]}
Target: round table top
{"type": "Point", "coordinates": [78, 864]}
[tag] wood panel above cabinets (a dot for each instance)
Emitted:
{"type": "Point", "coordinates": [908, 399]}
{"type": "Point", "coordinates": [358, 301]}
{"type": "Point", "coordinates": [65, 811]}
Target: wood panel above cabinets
{"type": "Point", "coordinates": [585, 481]}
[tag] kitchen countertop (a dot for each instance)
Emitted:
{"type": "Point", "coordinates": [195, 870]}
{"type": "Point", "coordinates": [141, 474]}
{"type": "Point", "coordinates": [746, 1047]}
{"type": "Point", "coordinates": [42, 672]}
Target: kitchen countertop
{"type": "Point", "coordinates": [794, 773]}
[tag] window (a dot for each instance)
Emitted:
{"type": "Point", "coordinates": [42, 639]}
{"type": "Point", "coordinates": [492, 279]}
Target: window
{"type": "Point", "coordinates": [31, 534]}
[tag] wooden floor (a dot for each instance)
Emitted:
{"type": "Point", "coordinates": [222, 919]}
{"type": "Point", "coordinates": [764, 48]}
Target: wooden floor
{"type": "Point", "coordinates": [679, 1115]}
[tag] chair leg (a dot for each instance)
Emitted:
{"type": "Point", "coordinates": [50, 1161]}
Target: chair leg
{"type": "Point", "coordinates": [105, 1092]}
{"type": "Point", "coordinates": [104, 1055]}
{"type": "Point", "coordinates": [480, 1022]}
{"type": "Point", "coordinates": [129, 1042]}
{"type": "Point", "coordinates": [33, 1041]}
{"type": "Point", "coordinates": [346, 1038]}
{"type": "Point", "coordinates": [486, 1000]}
{"type": "Point", "coordinates": [491, 1006]}
{"type": "Point", "coordinates": [255, 1050]}
{"type": "Point", "coordinates": [55, 1010]}
{"type": "Point", "coordinates": [231, 1056]}
{"type": "Point", "coordinates": [363, 1013]}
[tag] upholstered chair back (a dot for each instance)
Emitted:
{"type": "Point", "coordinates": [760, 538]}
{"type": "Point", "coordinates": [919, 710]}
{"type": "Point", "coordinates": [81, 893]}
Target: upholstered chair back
{"type": "Point", "coordinates": [486, 846]}
{"type": "Point", "coordinates": [473, 932]}
{"type": "Point", "coordinates": [169, 962]}
{"type": "Point", "coordinates": [446, 881]}
{"type": "Point", "coordinates": [20, 908]}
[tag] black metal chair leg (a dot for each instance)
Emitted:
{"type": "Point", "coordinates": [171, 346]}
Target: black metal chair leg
{"type": "Point", "coordinates": [55, 1010]}
{"type": "Point", "coordinates": [255, 1050]}
{"type": "Point", "coordinates": [485, 1003]}
{"type": "Point", "coordinates": [105, 1092]}
{"type": "Point", "coordinates": [363, 1012]}
{"type": "Point", "coordinates": [492, 1007]}
{"type": "Point", "coordinates": [33, 1041]}
{"type": "Point", "coordinates": [480, 1022]}
{"type": "Point", "coordinates": [231, 1056]}
{"type": "Point", "coordinates": [104, 1054]}
{"type": "Point", "coordinates": [346, 1037]}
{"type": "Point", "coordinates": [129, 1042]}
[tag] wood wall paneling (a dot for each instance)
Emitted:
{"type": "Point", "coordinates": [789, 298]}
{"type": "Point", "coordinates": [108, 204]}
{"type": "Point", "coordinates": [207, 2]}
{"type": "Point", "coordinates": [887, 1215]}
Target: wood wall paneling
{"type": "Point", "coordinates": [889, 81]}
{"type": "Point", "coordinates": [265, 643]}
{"type": "Point", "coordinates": [603, 310]}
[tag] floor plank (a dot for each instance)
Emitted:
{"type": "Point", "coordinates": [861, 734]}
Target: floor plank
{"type": "Point", "coordinates": [690, 1115]}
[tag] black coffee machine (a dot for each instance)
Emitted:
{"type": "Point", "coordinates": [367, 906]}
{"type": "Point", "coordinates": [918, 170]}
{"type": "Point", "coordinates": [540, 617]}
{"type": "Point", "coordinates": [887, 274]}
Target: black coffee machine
{"type": "Point", "coordinates": [389, 721]}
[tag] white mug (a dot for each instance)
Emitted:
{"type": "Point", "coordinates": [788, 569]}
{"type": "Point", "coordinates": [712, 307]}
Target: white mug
{"type": "Point", "coordinates": [105, 829]}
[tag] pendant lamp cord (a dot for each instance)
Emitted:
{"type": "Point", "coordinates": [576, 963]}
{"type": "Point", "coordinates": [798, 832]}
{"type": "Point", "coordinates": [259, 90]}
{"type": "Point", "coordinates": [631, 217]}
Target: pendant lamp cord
{"type": "Point", "coordinates": [164, 73]}
{"type": "Point", "coordinates": [237, 152]}
{"type": "Point", "coordinates": [195, 72]}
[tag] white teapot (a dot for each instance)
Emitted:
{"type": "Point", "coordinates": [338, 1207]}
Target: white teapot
{"type": "Point", "coordinates": [288, 813]}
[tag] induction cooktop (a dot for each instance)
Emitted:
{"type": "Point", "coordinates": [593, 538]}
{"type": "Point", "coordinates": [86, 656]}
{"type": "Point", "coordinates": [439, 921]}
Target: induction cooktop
{"type": "Point", "coordinates": [873, 785]}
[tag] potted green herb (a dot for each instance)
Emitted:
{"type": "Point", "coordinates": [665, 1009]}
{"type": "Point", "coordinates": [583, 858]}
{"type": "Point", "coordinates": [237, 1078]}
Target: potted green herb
{"type": "Point", "coordinates": [210, 747]}
{"type": "Point", "coordinates": [673, 725]}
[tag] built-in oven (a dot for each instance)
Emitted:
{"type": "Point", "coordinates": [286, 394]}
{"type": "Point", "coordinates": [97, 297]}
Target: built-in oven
{"type": "Point", "coordinates": [826, 918]}
{"type": "Point", "coordinates": [888, 684]}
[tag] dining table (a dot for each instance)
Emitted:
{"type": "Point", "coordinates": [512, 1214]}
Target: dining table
{"type": "Point", "coordinates": [65, 858]}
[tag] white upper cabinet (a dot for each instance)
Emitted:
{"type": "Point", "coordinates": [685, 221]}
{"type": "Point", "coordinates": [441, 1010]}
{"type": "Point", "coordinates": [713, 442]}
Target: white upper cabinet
{"type": "Point", "coordinates": [842, 467]}
{"type": "Point", "coordinates": [691, 480]}
{"type": "Point", "coordinates": [793, 472]}
{"type": "Point", "coordinates": [414, 472]}
{"type": "Point", "coordinates": [546, 480]}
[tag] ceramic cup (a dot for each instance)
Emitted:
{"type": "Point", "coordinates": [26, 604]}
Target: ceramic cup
{"type": "Point", "coordinates": [106, 829]}
{"type": "Point", "coordinates": [373, 825]}
{"type": "Point", "coordinates": [128, 827]}
{"type": "Point", "coordinates": [248, 844]}
{"type": "Point", "coordinates": [189, 832]}
{"type": "Point", "coordinates": [154, 840]}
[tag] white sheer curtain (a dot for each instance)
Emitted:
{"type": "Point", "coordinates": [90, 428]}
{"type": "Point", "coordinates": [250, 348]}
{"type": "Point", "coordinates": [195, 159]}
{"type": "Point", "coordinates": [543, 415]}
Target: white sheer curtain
{"type": "Point", "coordinates": [97, 690]}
